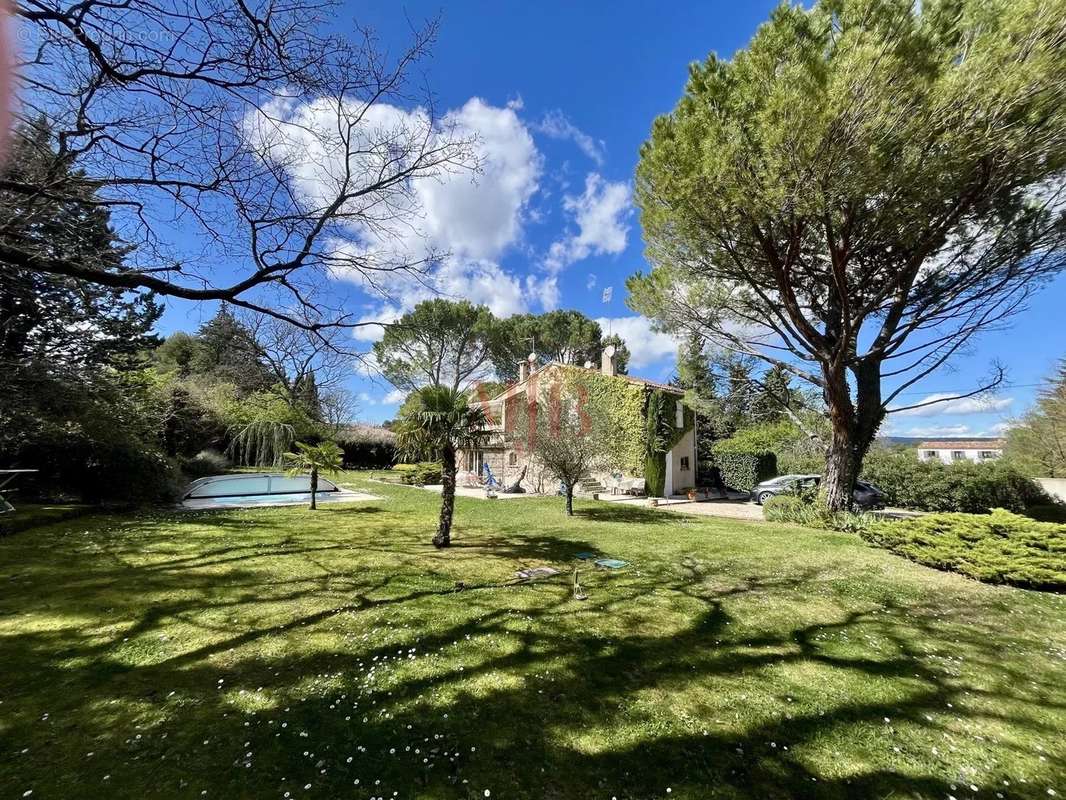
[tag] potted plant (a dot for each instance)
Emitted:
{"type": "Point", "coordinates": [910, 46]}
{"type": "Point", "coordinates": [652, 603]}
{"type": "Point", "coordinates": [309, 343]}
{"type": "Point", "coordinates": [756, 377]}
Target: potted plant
{"type": "Point", "coordinates": [693, 493]}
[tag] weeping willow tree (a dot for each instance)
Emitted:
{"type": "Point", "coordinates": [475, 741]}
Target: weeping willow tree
{"type": "Point", "coordinates": [261, 443]}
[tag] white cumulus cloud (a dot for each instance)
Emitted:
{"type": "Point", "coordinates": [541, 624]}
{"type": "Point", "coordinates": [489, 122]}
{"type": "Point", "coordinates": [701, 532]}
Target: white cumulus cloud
{"type": "Point", "coordinates": [480, 216]}
{"type": "Point", "coordinates": [601, 215]}
{"type": "Point", "coordinates": [645, 345]}
{"type": "Point", "coordinates": [472, 218]}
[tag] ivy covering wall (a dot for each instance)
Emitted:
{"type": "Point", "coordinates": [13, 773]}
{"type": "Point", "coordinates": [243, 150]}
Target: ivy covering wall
{"type": "Point", "coordinates": [622, 403]}
{"type": "Point", "coordinates": [641, 422]}
{"type": "Point", "coordinates": [661, 435]}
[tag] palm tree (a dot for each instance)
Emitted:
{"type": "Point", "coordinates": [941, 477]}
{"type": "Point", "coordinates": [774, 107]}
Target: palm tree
{"type": "Point", "coordinates": [439, 421]}
{"type": "Point", "coordinates": [314, 458]}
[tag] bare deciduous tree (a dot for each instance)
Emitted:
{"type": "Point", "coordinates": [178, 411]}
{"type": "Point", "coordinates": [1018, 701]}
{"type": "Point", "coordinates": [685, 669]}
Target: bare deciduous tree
{"type": "Point", "coordinates": [297, 356]}
{"type": "Point", "coordinates": [245, 154]}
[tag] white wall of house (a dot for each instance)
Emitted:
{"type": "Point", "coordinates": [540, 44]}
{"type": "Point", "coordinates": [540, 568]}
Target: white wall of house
{"type": "Point", "coordinates": [681, 464]}
{"type": "Point", "coordinates": [948, 455]}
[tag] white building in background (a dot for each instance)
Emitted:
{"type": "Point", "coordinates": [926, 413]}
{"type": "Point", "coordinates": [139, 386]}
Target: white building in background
{"type": "Point", "coordinates": [951, 450]}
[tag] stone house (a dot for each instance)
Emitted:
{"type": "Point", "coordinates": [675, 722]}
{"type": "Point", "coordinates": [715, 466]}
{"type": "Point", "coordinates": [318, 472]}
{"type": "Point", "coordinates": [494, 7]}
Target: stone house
{"type": "Point", "coordinates": [627, 402]}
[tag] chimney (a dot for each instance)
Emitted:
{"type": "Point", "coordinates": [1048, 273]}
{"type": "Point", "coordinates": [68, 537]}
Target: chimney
{"type": "Point", "coordinates": [607, 366]}
{"type": "Point", "coordinates": [526, 367]}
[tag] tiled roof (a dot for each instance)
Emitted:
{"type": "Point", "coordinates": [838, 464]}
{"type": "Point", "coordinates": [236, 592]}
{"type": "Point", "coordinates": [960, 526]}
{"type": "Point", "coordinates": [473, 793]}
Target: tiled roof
{"type": "Point", "coordinates": [632, 379]}
{"type": "Point", "coordinates": [962, 444]}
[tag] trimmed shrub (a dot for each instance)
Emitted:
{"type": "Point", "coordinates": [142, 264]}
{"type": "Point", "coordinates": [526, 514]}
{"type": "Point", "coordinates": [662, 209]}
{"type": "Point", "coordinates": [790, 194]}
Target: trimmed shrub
{"type": "Point", "coordinates": [964, 486]}
{"type": "Point", "coordinates": [655, 475]}
{"type": "Point", "coordinates": [793, 464]}
{"type": "Point", "coordinates": [421, 474]}
{"type": "Point", "coordinates": [741, 468]}
{"type": "Point", "coordinates": [999, 547]}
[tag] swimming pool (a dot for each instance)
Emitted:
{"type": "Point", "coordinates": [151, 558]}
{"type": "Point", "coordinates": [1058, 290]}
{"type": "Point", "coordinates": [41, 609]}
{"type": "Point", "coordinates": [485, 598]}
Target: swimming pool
{"type": "Point", "coordinates": [264, 500]}
{"type": "Point", "coordinates": [250, 490]}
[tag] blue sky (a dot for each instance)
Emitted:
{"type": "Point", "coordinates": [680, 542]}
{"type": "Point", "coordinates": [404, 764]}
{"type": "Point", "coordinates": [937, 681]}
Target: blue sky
{"type": "Point", "coordinates": [563, 95]}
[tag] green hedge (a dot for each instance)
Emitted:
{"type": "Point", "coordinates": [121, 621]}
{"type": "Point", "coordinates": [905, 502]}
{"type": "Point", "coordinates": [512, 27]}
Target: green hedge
{"type": "Point", "coordinates": [420, 474]}
{"type": "Point", "coordinates": [1000, 547]}
{"type": "Point", "coordinates": [742, 469]}
{"type": "Point", "coordinates": [964, 486]}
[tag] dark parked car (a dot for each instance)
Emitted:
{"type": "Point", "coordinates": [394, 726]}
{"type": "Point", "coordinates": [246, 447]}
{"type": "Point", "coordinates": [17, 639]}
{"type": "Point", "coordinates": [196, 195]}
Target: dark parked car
{"type": "Point", "coordinates": [866, 494]}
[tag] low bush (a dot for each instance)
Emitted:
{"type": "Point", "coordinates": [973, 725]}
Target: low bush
{"type": "Point", "coordinates": [999, 547]}
{"type": "Point", "coordinates": [964, 486]}
{"type": "Point", "coordinates": [805, 509]}
{"type": "Point", "coordinates": [206, 462]}
{"type": "Point", "coordinates": [420, 474]}
{"type": "Point", "coordinates": [742, 468]}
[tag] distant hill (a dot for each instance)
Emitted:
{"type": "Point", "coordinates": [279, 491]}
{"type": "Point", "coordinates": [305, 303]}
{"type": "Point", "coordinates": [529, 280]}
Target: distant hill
{"type": "Point", "coordinates": [913, 441]}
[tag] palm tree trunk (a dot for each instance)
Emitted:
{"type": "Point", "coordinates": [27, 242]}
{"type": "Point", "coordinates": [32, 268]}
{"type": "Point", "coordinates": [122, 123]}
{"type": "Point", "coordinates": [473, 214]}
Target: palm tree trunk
{"type": "Point", "coordinates": [447, 503]}
{"type": "Point", "coordinates": [314, 487]}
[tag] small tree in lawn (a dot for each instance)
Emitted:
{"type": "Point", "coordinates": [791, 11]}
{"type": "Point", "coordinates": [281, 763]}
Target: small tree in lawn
{"type": "Point", "coordinates": [566, 437]}
{"type": "Point", "coordinates": [314, 458]}
{"type": "Point", "coordinates": [439, 420]}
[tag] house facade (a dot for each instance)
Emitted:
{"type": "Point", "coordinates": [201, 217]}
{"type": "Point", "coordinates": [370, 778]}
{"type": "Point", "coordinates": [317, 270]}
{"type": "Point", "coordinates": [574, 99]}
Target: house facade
{"type": "Point", "coordinates": [506, 457]}
{"type": "Point", "coordinates": [950, 451]}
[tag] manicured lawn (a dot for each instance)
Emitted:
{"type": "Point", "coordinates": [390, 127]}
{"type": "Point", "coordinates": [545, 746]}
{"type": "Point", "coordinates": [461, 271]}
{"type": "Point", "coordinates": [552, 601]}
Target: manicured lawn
{"type": "Point", "coordinates": [281, 653]}
{"type": "Point", "coordinates": [34, 514]}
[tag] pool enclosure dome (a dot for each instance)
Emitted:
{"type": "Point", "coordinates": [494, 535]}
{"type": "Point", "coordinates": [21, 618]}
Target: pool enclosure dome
{"type": "Point", "coordinates": [254, 485]}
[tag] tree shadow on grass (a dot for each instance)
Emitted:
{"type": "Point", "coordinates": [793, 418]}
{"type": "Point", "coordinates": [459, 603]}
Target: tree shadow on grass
{"type": "Point", "coordinates": [352, 511]}
{"type": "Point", "coordinates": [615, 512]}
{"type": "Point", "coordinates": [524, 733]}
{"type": "Point", "coordinates": [323, 679]}
{"type": "Point", "coordinates": [522, 548]}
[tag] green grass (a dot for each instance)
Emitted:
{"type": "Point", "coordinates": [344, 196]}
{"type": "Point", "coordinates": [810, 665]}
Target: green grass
{"type": "Point", "coordinates": [33, 515]}
{"type": "Point", "coordinates": [250, 654]}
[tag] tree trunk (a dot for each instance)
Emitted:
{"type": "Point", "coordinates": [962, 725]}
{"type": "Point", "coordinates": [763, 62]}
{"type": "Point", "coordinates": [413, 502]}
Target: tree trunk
{"type": "Point", "coordinates": [569, 499]}
{"type": "Point", "coordinates": [443, 537]}
{"type": "Point", "coordinates": [854, 426]}
{"type": "Point", "coordinates": [314, 487]}
{"type": "Point", "coordinates": [839, 481]}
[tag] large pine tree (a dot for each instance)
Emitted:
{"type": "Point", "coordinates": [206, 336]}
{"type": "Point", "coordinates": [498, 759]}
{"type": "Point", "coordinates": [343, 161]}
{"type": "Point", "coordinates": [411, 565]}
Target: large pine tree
{"type": "Point", "coordinates": [49, 319]}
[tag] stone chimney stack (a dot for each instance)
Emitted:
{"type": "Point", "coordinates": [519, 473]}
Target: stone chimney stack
{"type": "Point", "coordinates": [526, 367]}
{"type": "Point", "coordinates": [607, 365]}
